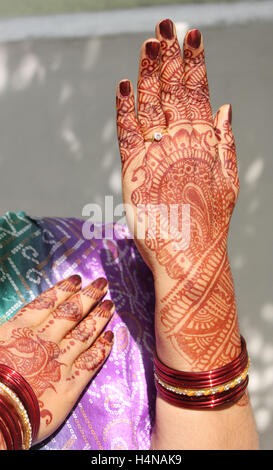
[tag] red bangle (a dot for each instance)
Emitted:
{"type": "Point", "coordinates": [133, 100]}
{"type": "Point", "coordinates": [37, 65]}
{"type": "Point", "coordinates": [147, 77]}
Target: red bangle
{"type": "Point", "coordinates": [203, 389]}
{"type": "Point", "coordinates": [199, 403]}
{"type": "Point", "coordinates": [5, 433]}
{"type": "Point", "coordinates": [12, 423]}
{"type": "Point", "coordinates": [25, 393]}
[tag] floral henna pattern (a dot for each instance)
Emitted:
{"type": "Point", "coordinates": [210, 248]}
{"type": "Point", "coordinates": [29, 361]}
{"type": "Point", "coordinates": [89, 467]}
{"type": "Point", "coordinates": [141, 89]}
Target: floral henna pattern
{"type": "Point", "coordinates": [71, 310]}
{"type": "Point", "coordinates": [95, 356]}
{"type": "Point", "coordinates": [84, 331]}
{"type": "Point", "coordinates": [32, 357]}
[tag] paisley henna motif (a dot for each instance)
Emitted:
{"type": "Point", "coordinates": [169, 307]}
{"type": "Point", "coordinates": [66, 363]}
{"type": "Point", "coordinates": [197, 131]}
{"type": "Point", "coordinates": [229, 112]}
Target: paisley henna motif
{"type": "Point", "coordinates": [34, 358]}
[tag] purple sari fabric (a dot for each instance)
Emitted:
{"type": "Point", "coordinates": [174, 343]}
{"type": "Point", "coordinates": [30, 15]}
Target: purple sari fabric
{"type": "Point", "coordinates": [116, 410]}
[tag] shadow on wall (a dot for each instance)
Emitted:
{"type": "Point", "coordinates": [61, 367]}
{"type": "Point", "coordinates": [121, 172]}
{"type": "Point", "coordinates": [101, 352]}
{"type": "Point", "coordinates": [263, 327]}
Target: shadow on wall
{"type": "Point", "coordinates": [58, 152]}
{"type": "Point", "coordinates": [58, 147]}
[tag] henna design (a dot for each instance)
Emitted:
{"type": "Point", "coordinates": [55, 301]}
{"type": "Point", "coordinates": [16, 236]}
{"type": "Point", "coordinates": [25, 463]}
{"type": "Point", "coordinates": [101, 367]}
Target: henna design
{"type": "Point", "coordinates": [85, 330]}
{"type": "Point", "coordinates": [48, 299]}
{"type": "Point", "coordinates": [71, 310]}
{"type": "Point", "coordinates": [197, 85]}
{"type": "Point", "coordinates": [92, 292]}
{"type": "Point", "coordinates": [228, 151]}
{"type": "Point", "coordinates": [204, 301]}
{"type": "Point", "coordinates": [173, 89]}
{"type": "Point", "coordinates": [104, 309]}
{"type": "Point", "coordinates": [128, 136]}
{"type": "Point", "coordinates": [70, 285]}
{"type": "Point", "coordinates": [195, 164]}
{"type": "Point", "coordinates": [94, 357]}
{"type": "Point", "coordinates": [32, 357]}
{"type": "Point", "coordinates": [150, 114]}
{"type": "Point", "coordinates": [44, 301]}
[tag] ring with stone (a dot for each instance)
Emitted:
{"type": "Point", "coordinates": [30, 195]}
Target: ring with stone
{"type": "Point", "coordinates": [157, 136]}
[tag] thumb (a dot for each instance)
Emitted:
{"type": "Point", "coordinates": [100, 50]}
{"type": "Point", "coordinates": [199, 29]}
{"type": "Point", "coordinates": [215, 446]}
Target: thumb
{"type": "Point", "coordinates": [226, 145]}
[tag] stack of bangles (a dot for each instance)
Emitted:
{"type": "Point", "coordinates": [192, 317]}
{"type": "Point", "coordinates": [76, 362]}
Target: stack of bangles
{"type": "Point", "coordinates": [19, 410]}
{"type": "Point", "coordinates": [203, 390]}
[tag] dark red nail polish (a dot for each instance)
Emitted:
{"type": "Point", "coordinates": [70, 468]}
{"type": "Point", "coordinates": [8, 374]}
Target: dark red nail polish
{"type": "Point", "coordinates": [166, 29]}
{"type": "Point", "coordinates": [75, 279]}
{"type": "Point", "coordinates": [100, 283]}
{"type": "Point", "coordinates": [125, 88]}
{"type": "Point", "coordinates": [194, 38]}
{"type": "Point", "coordinates": [107, 305]}
{"type": "Point", "coordinates": [152, 49]}
{"type": "Point", "coordinates": [230, 114]}
{"type": "Point", "coordinates": [109, 336]}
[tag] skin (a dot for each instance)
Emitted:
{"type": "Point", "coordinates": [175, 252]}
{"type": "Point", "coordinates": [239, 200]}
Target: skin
{"type": "Point", "coordinates": [57, 344]}
{"type": "Point", "coordinates": [196, 322]}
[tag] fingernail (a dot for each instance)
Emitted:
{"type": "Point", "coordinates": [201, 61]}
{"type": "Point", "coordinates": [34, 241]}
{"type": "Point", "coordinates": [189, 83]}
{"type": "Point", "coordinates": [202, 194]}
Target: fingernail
{"type": "Point", "coordinates": [107, 305]}
{"type": "Point", "coordinates": [125, 88]}
{"type": "Point", "coordinates": [230, 114]}
{"type": "Point", "coordinates": [166, 29]}
{"type": "Point", "coordinates": [194, 38]}
{"type": "Point", "coordinates": [75, 279]}
{"type": "Point", "coordinates": [100, 283]}
{"type": "Point", "coordinates": [152, 49]}
{"type": "Point", "coordinates": [109, 336]}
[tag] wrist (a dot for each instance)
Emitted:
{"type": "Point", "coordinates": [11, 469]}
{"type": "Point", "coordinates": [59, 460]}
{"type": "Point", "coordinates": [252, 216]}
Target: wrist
{"type": "Point", "coordinates": [19, 410]}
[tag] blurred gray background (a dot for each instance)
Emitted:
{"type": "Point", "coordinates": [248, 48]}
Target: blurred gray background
{"type": "Point", "coordinates": [58, 147]}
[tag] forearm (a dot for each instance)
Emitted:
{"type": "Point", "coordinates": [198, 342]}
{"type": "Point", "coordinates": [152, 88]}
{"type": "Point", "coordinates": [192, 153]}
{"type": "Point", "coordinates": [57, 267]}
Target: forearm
{"type": "Point", "coordinates": [225, 429]}
{"type": "Point", "coordinates": [196, 321]}
{"type": "Point", "coordinates": [229, 427]}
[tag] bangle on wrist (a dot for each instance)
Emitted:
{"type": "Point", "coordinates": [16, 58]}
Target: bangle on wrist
{"type": "Point", "coordinates": [199, 390]}
{"type": "Point", "coordinates": [11, 425]}
{"type": "Point", "coordinates": [17, 406]}
{"type": "Point", "coordinates": [19, 410]}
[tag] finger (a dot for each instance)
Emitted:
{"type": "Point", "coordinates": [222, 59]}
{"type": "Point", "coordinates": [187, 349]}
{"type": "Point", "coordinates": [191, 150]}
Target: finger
{"type": "Point", "coordinates": [45, 303]}
{"type": "Point", "coordinates": [85, 333]}
{"type": "Point", "coordinates": [90, 361]}
{"type": "Point", "coordinates": [150, 113]}
{"type": "Point", "coordinates": [174, 93]}
{"type": "Point", "coordinates": [68, 314]}
{"type": "Point", "coordinates": [196, 80]}
{"type": "Point", "coordinates": [226, 145]}
{"type": "Point", "coordinates": [130, 137]}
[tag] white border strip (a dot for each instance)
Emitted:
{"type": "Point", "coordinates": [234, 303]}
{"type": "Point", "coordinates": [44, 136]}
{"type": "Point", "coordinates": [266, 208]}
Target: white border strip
{"type": "Point", "coordinates": [105, 23]}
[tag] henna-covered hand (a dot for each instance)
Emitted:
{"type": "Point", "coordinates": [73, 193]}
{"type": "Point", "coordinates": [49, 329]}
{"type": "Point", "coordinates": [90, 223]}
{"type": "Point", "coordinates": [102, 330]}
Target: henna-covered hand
{"type": "Point", "coordinates": [194, 164]}
{"type": "Point", "coordinates": [56, 343]}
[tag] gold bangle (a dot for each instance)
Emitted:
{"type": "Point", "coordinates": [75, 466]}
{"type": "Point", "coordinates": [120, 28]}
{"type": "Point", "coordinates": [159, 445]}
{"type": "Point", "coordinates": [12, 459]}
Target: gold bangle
{"type": "Point", "coordinates": [22, 413]}
{"type": "Point", "coordinates": [190, 392]}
